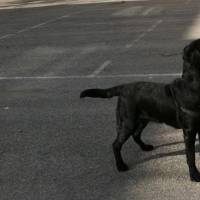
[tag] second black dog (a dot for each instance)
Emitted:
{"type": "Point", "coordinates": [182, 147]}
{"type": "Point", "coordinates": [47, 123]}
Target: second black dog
{"type": "Point", "coordinates": [176, 104]}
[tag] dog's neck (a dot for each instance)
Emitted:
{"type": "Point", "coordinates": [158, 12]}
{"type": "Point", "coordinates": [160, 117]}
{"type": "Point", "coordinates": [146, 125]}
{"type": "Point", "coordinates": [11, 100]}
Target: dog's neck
{"type": "Point", "coordinates": [191, 75]}
{"type": "Point", "coordinates": [186, 93]}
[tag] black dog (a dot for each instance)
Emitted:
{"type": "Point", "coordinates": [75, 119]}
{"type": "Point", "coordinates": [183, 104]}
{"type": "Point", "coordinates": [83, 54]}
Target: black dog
{"type": "Point", "coordinates": [176, 104]}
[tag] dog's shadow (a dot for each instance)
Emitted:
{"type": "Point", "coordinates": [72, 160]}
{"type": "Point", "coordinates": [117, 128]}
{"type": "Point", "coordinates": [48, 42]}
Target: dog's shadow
{"type": "Point", "coordinates": [168, 154]}
{"type": "Point", "coordinates": [167, 144]}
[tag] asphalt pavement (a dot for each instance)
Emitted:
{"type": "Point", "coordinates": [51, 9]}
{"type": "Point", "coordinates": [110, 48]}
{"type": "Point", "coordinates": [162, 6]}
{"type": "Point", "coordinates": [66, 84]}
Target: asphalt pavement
{"type": "Point", "coordinates": [54, 146]}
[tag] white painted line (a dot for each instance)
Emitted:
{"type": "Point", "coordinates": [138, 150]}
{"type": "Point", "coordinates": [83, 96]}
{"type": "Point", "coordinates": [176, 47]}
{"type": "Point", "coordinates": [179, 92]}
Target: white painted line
{"type": "Point", "coordinates": [6, 36]}
{"type": "Point", "coordinates": [139, 75]}
{"type": "Point", "coordinates": [149, 10]}
{"type": "Point", "coordinates": [22, 31]}
{"type": "Point", "coordinates": [135, 41]}
{"type": "Point", "coordinates": [33, 27]}
{"type": "Point", "coordinates": [38, 25]}
{"type": "Point", "coordinates": [65, 16]}
{"type": "Point", "coordinates": [154, 25]}
{"type": "Point", "coordinates": [100, 69]}
{"type": "Point", "coordinates": [47, 22]}
{"type": "Point", "coordinates": [40, 77]}
{"type": "Point", "coordinates": [139, 37]}
{"type": "Point", "coordinates": [89, 77]}
{"type": "Point", "coordinates": [144, 33]}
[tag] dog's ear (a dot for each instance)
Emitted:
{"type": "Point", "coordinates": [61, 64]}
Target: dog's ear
{"type": "Point", "coordinates": [195, 58]}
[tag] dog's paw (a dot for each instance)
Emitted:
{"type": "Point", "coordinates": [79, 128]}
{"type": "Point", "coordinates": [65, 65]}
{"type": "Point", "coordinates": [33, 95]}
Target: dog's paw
{"type": "Point", "coordinates": [147, 147]}
{"type": "Point", "coordinates": [195, 176]}
{"type": "Point", "coordinates": [122, 167]}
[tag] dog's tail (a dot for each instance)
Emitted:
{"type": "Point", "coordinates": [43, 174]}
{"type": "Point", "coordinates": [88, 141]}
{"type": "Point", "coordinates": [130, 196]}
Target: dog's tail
{"type": "Point", "coordinates": [102, 93]}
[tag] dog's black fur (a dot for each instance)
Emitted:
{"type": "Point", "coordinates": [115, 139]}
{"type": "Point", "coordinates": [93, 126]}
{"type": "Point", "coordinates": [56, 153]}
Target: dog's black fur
{"type": "Point", "coordinates": [191, 58]}
{"type": "Point", "coordinates": [176, 104]}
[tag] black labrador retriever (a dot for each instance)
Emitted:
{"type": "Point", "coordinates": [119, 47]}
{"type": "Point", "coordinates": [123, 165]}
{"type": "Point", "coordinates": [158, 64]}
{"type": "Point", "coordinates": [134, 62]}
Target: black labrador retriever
{"type": "Point", "coordinates": [176, 104]}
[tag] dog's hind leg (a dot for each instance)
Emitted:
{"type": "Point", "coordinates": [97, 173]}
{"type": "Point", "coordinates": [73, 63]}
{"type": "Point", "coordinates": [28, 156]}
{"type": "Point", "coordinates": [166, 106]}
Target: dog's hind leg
{"type": "Point", "coordinates": [137, 136]}
{"type": "Point", "coordinates": [122, 136]}
{"type": "Point", "coordinates": [124, 130]}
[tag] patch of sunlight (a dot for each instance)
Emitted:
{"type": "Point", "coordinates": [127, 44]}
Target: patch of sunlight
{"type": "Point", "coordinates": [13, 4]}
{"type": "Point", "coordinates": [194, 30]}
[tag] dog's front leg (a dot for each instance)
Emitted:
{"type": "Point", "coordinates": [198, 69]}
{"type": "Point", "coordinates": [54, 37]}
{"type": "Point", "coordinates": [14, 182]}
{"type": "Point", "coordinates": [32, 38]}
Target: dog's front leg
{"type": "Point", "coordinates": [189, 138]}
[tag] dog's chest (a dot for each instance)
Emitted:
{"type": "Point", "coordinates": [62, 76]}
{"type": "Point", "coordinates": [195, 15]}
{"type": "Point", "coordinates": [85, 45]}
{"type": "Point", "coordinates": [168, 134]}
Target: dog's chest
{"type": "Point", "coordinates": [191, 101]}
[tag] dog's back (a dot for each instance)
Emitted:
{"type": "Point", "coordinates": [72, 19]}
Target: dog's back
{"type": "Point", "coordinates": [149, 100]}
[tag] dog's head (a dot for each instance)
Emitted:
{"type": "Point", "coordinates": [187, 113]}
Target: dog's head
{"type": "Point", "coordinates": [191, 58]}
